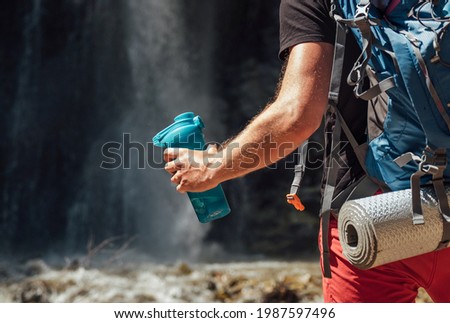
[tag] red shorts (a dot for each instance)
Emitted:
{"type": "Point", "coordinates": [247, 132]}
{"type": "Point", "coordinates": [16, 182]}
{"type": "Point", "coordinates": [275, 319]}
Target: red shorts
{"type": "Point", "coordinates": [397, 282]}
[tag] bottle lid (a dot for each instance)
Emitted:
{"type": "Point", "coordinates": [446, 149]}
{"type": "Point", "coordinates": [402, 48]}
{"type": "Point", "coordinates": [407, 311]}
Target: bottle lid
{"type": "Point", "coordinates": [184, 116]}
{"type": "Point", "coordinates": [162, 138]}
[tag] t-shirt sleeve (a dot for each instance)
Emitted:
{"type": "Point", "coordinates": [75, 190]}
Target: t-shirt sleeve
{"type": "Point", "coordinates": [304, 21]}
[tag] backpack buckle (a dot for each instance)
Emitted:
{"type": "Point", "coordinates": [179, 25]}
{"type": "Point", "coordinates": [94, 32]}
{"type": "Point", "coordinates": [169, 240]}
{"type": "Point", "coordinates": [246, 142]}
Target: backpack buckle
{"type": "Point", "coordinates": [433, 162]}
{"type": "Point", "coordinates": [362, 19]}
{"type": "Point", "coordinates": [294, 200]}
{"type": "Point", "coordinates": [362, 11]}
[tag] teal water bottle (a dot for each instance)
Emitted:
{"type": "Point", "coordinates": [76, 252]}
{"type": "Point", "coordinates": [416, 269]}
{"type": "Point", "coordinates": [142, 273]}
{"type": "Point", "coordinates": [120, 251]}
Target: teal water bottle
{"type": "Point", "coordinates": [186, 132]}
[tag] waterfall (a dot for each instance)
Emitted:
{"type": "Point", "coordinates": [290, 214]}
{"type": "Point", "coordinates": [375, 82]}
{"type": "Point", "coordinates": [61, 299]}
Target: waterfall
{"type": "Point", "coordinates": [18, 117]}
{"type": "Point", "coordinates": [167, 76]}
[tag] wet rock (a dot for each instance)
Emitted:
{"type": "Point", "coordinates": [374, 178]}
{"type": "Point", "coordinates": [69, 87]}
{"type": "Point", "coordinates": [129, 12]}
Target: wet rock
{"type": "Point", "coordinates": [281, 293]}
{"type": "Point", "coordinates": [145, 298]}
{"type": "Point", "coordinates": [73, 264]}
{"type": "Point", "coordinates": [184, 269]}
{"type": "Point", "coordinates": [36, 291]}
{"type": "Point", "coordinates": [61, 285]}
{"type": "Point", "coordinates": [227, 288]}
{"type": "Point", "coordinates": [210, 285]}
{"type": "Point", "coordinates": [35, 267]}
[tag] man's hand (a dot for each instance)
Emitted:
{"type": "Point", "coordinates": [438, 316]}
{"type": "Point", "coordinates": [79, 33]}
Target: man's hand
{"type": "Point", "coordinates": [192, 170]}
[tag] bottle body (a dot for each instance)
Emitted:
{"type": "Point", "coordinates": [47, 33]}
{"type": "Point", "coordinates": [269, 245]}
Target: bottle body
{"type": "Point", "coordinates": [210, 205]}
{"type": "Point", "coordinates": [186, 132]}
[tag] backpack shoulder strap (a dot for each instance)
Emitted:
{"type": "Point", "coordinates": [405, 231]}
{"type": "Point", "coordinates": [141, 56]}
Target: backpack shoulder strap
{"type": "Point", "coordinates": [366, 185]}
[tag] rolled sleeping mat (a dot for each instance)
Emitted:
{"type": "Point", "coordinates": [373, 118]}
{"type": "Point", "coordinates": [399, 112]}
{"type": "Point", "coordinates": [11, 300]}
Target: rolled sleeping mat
{"type": "Point", "coordinates": [379, 229]}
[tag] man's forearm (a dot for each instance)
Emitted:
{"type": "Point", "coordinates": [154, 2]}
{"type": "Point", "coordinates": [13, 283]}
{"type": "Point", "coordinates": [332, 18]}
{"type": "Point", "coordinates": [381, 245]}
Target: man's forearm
{"type": "Point", "coordinates": [271, 136]}
{"type": "Point", "coordinates": [286, 123]}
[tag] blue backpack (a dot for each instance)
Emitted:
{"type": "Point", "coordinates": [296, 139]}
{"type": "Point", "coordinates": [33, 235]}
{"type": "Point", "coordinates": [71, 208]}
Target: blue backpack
{"type": "Point", "coordinates": [404, 73]}
{"type": "Point", "coordinates": [406, 54]}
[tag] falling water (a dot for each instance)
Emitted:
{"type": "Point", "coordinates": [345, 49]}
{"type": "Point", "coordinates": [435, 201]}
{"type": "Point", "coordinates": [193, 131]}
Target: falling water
{"type": "Point", "coordinates": [168, 76]}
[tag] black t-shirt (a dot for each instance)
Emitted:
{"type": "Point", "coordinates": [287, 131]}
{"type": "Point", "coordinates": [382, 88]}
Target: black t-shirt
{"type": "Point", "coordinates": [310, 21]}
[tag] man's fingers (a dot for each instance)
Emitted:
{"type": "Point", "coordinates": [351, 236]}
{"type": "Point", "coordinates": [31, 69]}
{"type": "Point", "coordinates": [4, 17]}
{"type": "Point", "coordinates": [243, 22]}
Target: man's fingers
{"type": "Point", "coordinates": [212, 149]}
{"type": "Point", "coordinates": [180, 189]}
{"type": "Point", "coordinates": [173, 166]}
{"type": "Point", "coordinates": [171, 154]}
{"type": "Point", "coordinates": [176, 179]}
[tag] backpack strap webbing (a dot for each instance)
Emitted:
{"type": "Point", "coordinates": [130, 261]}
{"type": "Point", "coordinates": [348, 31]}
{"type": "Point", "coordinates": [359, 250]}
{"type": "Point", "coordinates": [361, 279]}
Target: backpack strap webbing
{"type": "Point", "coordinates": [330, 185]}
{"type": "Point", "coordinates": [358, 74]}
{"type": "Point", "coordinates": [299, 172]}
{"type": "Point", "coordinates": [365, 186]}
{"type": "Point", "coordinates": [433, 162]}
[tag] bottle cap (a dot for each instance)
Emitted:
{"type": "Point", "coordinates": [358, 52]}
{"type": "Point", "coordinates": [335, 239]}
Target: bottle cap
{"type": "Point", "coordinates": [165, 136]}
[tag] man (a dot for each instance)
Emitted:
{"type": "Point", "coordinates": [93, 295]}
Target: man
{"type": "Point", "coordinates": [307, 44]}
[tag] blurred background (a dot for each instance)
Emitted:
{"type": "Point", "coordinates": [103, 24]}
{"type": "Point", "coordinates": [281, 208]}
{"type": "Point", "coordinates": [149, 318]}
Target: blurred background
{"type": "Point", "coordinates": [76, 74]}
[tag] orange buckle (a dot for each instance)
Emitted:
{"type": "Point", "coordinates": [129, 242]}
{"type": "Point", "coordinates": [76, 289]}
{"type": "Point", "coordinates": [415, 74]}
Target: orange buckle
{"type": "Point", "coordinates": [295, 201]}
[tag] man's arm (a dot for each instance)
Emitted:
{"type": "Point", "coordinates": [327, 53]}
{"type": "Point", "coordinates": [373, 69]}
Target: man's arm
{"type": "Point", "coordinates": [273, 134]}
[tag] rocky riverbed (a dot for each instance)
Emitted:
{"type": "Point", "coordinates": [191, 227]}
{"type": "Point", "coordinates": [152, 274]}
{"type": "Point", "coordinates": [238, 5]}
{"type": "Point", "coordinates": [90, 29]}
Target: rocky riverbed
{"type": "Point", "coordinates": [255, 281]}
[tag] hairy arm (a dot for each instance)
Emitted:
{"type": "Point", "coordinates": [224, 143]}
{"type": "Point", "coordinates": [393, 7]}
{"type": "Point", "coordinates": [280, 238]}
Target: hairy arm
{"type": "Point", "coordinates": [273, 134]}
